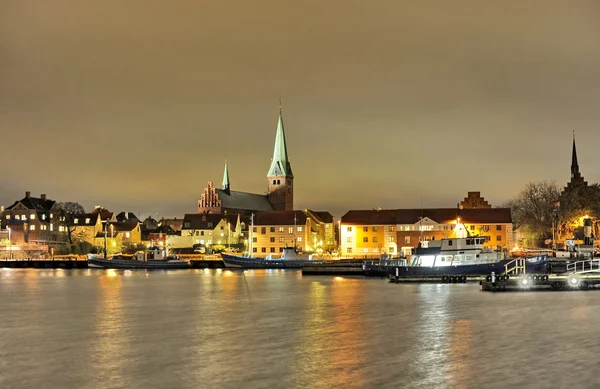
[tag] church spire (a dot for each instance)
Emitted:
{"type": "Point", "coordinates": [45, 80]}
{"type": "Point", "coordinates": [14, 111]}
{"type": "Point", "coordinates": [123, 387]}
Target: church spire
{"type": "Point", "coordinates": [574, 164]}
{"type": "Point", "coordinates": [226, 178]}
{"type": "Point", "coordinates": [280, 165]}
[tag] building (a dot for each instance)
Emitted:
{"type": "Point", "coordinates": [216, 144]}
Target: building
{"type": "Point", "coordinates": [127, 217]}
{"type": "Point", "coordinates": [85, 227]}
{"type": "Point", "coordinates": [34, 220]}
{"type": "Point", "coordinates": [280, 184]}
{"type": "Point", "coordinates": [308, 230]}
{"type": "Point", "coordinates": [211, 229]}
{"type": "Point", "coordinates": [370, 233]}
{"type": "Point", "coordinates": [473, 200]}
{"type": "Point", "coordinates": [175, 223]}
{"type": "Point", "coordinates": [576, 177]}
{"type": "Point", "coordinates": [119, 235]}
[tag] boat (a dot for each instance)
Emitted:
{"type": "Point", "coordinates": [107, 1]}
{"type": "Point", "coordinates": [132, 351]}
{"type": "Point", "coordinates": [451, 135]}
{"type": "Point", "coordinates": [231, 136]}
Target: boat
{"type": "Point", "coordinates": [290, 259]}
{"type": "Point", "coordinates": [452, 256]}
{"type": "Point", "coordinates": [154, 258]}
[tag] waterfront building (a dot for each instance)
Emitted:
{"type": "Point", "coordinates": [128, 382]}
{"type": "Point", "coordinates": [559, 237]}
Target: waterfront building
{"type": "Point", "coordinates": [370, 233]}
{"type": "Point", "coordinates": [175, 223]}
{"type": "Point", "coordinates": [85, 227]}
{"type": "Point", "coordinates": [118, 235]}
{"type": "Point", "coordinates": [210, 229]}
{"type": "Point", "coordinates": [127, 217]}
{"type": "Point", "coordinates": [307, 230]}
{"type": "Point", "coordinates": [34, 220]}
{"type": "Point", "coordinates": [280, 184]}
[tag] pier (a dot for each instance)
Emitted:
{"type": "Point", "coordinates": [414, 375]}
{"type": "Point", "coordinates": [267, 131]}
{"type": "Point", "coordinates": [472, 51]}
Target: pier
{"type": "Point", "coordinates": [44, 263]}
{"type": "Point", "coordinates": [334, 268]}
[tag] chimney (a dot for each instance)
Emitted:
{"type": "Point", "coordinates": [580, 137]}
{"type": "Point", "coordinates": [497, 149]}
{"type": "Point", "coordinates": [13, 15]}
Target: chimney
{"type": "Point", "coordinates": [1, 208]}
{"type": "Point", "coordinates": [27, 194]}
{"type": "Point", "coordinates": [43, 196]}
{"type": "Point", "coordinates": [127, 215]}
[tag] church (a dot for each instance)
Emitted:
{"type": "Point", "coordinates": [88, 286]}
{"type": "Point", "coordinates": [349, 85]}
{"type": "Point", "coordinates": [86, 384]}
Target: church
{"type": "Point", "coordinates": [280, 192]}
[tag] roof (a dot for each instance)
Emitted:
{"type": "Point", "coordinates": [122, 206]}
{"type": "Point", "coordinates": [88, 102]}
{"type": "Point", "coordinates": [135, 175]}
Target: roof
{"type": "Point", "coordinates": [439, 215]}
{"type": "Point", "coordinates": [279, 218]}
{"type": "Point", "coordinates": [324, 216]}
{"type": "Point", "coordinates": [35, 203]}
{"type": "Point", "coordinates": [124, 226]}
{"type": "Point", "coordinates": [174, 223]}
{"type": "Point", "coordinates": [244, 200]}
{"type": "Point", "coordinates": [105, 214]}
{"type": "Point", "coordinates": [86, 219]}
{"type": "Point", "coordinates": [164, 229]}
{"type": "Point", "coordinates": [127, 217]}
{"type": "Point", "coordinates": [200, 221]}
{"type": "Point", "coordinates": [280, 165]}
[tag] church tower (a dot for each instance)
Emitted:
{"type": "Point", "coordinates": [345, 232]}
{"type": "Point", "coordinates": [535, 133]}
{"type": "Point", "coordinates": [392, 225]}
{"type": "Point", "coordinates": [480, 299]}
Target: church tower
{"type": "Point", "coordinates": [576, 178]}
{"type": "Point", "coordinates": [225, 185]}
{"type": "Point", "coordinates": [280, 176]}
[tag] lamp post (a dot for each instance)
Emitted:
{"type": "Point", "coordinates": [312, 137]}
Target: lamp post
{"type": "Point", "coordinates": [9, 242]}
{"type": "Point", "coordinates": [228, 235]}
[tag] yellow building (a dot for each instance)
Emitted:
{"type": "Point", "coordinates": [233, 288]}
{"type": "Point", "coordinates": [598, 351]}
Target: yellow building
{"type": "Point", "coordinates": [211, 229]}
{"type": "Point", "coordinates": [118, 235]}
{"type": "Point", "coordinates": [370, 233]}
{"type": "Point", "coordinates": [85, 228]}
{"type": "Point", "coordinates": [310, 231]}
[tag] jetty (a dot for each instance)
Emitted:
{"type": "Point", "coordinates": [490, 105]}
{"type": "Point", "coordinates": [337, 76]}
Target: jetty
{"type": "Point", "coordinates": [334, 268]}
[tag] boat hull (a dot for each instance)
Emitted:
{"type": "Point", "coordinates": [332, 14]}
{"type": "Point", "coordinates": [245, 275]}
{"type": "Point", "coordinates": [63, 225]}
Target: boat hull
{"type": "Point", "coordinates": [239, 262]}
{"type": "Point", "coordinates": [133, 264]}
{"type": "Point", "coordinates": [539, 266]}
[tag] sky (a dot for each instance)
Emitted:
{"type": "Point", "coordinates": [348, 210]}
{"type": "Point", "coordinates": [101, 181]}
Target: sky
{"type": "Point", "coordinates": [134, 105]}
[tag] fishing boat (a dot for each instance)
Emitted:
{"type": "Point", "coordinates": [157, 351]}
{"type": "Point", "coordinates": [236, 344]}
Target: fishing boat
{"type": "Point", "coordinates": [290, 258]}
{"type": "Point", "coordinates": [452, 256]}
{"type": "Point", "coordinates": [154, 258]}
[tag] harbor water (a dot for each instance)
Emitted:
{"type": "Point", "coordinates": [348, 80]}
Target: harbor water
{"type": "Point", "coordinates": [279, 329]}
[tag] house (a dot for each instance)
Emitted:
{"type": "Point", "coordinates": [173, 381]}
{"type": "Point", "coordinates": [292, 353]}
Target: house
{"type": "Point", "coordinates": [34, 220]}
{"type": "Point", "coordinates": [127, 217]}
{"type": "Point", "coordinates": [370, 233]}
{"type": "Point", "coordinates": [307, 230]}
{"type": "Point", "coordinates": [159, 235]}
{"type": "Point", "coordinates": [119, 235]}
{"type": "Point", "coordinates": [175, 223]}
{"type": "Point", "coordinates": [85, 227]}
{"type": "Point", "coordinates": [212, 229]}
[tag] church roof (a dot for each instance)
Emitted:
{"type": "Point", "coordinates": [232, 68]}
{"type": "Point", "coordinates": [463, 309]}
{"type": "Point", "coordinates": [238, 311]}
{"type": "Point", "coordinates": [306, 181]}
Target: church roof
{"type": "Point", "coordinates": [279, 218]}
{"type": "Point", "coordinates": [280, 165]}
{"type": "Point", "coordinates": [244, 200]}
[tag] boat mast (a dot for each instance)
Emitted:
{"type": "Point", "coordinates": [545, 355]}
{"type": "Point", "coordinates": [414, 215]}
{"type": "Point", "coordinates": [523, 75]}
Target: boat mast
{"type": "Point", "coordinates": [295, 245]}
{"type": "Point", "coordinates": [105, 232]}
{"type": "Point", "coordinates": [251, 235]}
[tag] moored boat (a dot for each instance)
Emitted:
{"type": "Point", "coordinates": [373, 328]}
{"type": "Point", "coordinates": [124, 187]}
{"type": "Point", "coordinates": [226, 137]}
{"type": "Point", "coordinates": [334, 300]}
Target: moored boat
{"type": "Point", "coordinates": [452, 256]}
{"type": "Point", "coordinates": [290, 259]}
{"type": "Point", "coordinates": [153, 258]}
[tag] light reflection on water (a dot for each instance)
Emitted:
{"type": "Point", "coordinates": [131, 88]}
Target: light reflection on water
{"type": "Point", "coordinates": [278, 329]}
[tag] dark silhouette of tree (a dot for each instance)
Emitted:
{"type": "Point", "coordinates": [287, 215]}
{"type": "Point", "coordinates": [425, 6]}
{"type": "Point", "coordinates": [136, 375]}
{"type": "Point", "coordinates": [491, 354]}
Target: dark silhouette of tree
{"type": "Point", "coordinates": [69, 210]}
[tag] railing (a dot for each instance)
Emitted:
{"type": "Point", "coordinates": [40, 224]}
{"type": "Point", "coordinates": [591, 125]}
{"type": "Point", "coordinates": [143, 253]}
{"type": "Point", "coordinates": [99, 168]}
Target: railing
{"type": "Point", "coordinates": [391, 262]}
{"type": "Point", "coordinates": [516, 266]}
{"type": "Point", "coordinates": [589, 264]}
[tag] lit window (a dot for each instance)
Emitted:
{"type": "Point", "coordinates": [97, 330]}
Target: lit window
{"type": "Point", "coordinates": [291, 230]}
{"type": "Point", "coordinates": [127, 234]}
{"type": "Point", "coordinates": [299, 229]}
{"type": "Point", "coordinates": [375, 250]}
{"type": "Point", "coordinates": [374, 228]}
{"type": "Point", "coordinates": [349, 249]}
{"type": "Point", "coordinates": [280, 229]}
{"type": "Point", "coordinates": [75, 221]}
{"type": "Point", "coordinates": [87, 220]}
{"type": "Point", "coordinates": [366, 250]}
{"type": "Point", "coordinates": [43, 216]}
{"type": "Point", "coordinates": [349, 239]}
{"type": "Point", "coordinates": [24, 217]}
{"type": "Point", "coordinates": [327, 226]}
{"type": "Point", "coordinates": [391, 228]}
{"type": "Point", "coordinates": [299, 239]}
{"type": "Point", "coordinates": [32, 227]}
{"type": "Point", "coordinates": [51, 227]}
{"type": "Point", "coordinates": [375, 239]}
{"type": "Point", "coordinates": [210, 233]}
{"type": "Point", "coordinates": [407, 239]}
{"type": "Point", "coordinates": [32, 216]}
{"type": "Point", "coordinates": [51, 216]}
{"type": "Point", "coordinates": [281, 239]}
{"type": "Point", "coordinates": [43, 227]}
{"type": "Point", "coordinates": [392, 249]}
{"type": "Point", "coordinates": [17, 217]}
{"type": "Point", "coordinates": [391, 239]}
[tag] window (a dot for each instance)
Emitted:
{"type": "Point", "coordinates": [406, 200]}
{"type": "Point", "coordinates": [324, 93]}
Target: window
{"type": "Point", "coordinates": [498, 228]}
{"type": "Point", "coordinates": [365, 250]}
{"type": "Point", "coordinates": [349, 249]}
{"type": "Point", "coordinates": [263, 249]}
{"type": "Point", "coordinates": [43, 216]}
{"type": "Point", "coordinates": [327, 226]}
{"type": "Point", "coordinates": [222, 228]}
{"type": "Point", "coordinates": [51, 216]}
{"type": "Point", "coordinates": [375, 239]}
{"type": "Point", "coordinates": [365, 239]}
{"type": "Point", "coordinates": [272, 239]}
{"type": "Point", "coordinates": [281, 239]}
{"type": "Point", "coordinates": [349, 229]}
{"type": "Point", "coordinates": [365, 229]}
{"type": "Point", "coordinates": [407, 239]}
{"type": "Point", "coordinates": [499, 238]}
{"type": "Point", "coordinates": [43, 227]}
{"type": "Point", "coordinates": [254, 250]}
{"type": "Point", "coordinates": [349, 239]}
{"type": "Point", "coordinates": [202, 233]}
{"type": "Point", "coordinates": [272, 249]}
{"type": "Point", "coordinates": [75, 221]}
{"type": "Point", "coordinates": [391, 228]}
{"type": "Point", "coordinates": [186, 224]}
{"type": "Point", "coordinates": [375, 250]}
{"type": "Point", "coordinates": [196, 233]}
{"type": "Point", "coordinates": [253, 229]}
{"type": "Point", "coordinates": [280, 229]}
{"type": "Point", "coordinates": [290, 230]}
{"type": "Point", "coordinates": [51, 227]}
{"type": "Point", "coordinates": [374, 228]}
{"type": "Point", "coordinates": [127, 234]}
{"type": "Point", "coordinates": [449, 243]}
{"type": "Point", "coordinates": [209, 233]}
{"type": "Point", "coordinates": [272, 229]}
{"type": "Point", "coordinates": [299, 229]}
{"type": "Point", "coordinates": [391, 249]}
{"type": "Point", "coordinates": [32, 216]}
{"type": "Point", "coordinates": [87, 220]}
{"type": "Point", "coordinates": [299, 239]}
{"type": "Point", "coordinates": [391, 238]}
{"type": "Point", "coordinates": [274, 182]}
{"type": "Point", "coordinates": [16, 217]}
{"type": "Point", "coordinates": [32, 227]}
{"type": "Point", "coordinates": [472, 227]}
{"type": "Point", "coordinates": [263, 230]}
{"type": "Point", "coordinates": [254, 240]}
{"type": "Point", "coordinates": [210, 225]}
{"type": "Point", "coordinates": [281, 249]}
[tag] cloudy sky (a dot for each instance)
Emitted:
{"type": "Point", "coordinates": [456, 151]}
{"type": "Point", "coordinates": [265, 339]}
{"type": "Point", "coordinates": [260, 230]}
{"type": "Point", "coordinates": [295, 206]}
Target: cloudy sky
{"type": "Point", "coordinates": [135, 104]}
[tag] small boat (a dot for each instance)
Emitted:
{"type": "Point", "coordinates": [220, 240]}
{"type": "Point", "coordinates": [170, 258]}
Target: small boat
{"type": "Point", "coordinates": [290, 259]}
{"type": "Point", "coordinates": [153, 258]}
{"type": "Point", "coordinates": [452, 256]}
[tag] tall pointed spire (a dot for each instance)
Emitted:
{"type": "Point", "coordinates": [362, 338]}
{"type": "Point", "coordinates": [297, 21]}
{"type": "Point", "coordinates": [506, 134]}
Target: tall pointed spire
{"type": "Point", "coordinates": [574, 164]}
{"type": "Point", "coordinates": [226, 186]}
{"type": "Point", "coordinates": [280, 165]}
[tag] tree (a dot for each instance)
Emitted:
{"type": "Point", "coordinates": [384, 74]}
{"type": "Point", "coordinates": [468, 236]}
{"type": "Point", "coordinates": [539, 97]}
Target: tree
{"type": "Point", "coordinates": [575, 203]}
{"type": "Point", "coordinates": [533, 209]}
{"type": "Point", "coordinates": [69, 210]}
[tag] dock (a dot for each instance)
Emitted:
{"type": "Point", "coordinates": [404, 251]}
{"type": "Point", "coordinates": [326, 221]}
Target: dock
{"type": "Point", "coordinates": [44, 263]}
{"type": "Point", "coordinates": [334, 268]}
{"type": "Point", "coordinates": [441, 279]}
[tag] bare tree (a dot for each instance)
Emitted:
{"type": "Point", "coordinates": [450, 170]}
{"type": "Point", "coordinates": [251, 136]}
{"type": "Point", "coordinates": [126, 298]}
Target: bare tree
{"type": "Point", "coordinates": [69, 210]}
{"type": "Point", "coordinates": [534, 208]}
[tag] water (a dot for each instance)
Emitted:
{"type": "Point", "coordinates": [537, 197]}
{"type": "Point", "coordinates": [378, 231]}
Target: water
{"type": "Point", "coordinates": [277, 329]}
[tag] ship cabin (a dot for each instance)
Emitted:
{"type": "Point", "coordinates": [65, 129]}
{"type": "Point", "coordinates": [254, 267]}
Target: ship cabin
{"type": "Point", "coordinates": [454, 252]}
